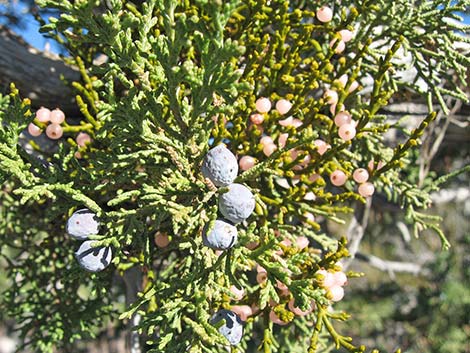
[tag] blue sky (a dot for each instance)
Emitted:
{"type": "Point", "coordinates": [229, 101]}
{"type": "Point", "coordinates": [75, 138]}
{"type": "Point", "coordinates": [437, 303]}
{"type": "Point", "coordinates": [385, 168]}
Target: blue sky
{"type": "Point", "coordinates": [31, 34]}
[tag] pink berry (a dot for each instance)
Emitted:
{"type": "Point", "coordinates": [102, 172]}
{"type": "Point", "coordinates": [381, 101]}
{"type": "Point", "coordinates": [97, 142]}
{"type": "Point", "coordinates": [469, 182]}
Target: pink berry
{"type": "Point", "coordinates": [281, 285]}
{"type": "Point", "coordinates": [260, 269]}
{"type": "Point", "coordinates": [303, 163]}
{"type": "Point", "coordinates": [339, 47]}
{"type": "Point", "coordinates": [43, 115]}
{"type": "Point", "coordinates": [82, 139]}
{"type": "Point", "coordinates": [347, 132]}
{"type": "Point", "coordinates": [34, 130]}
{"type": "Point", "coordinates": [283, 106]}
{"type": "Point", "coordinates": [296, 310]}
{"type": "Point", "coordinates": [338, 178]}
{"type": "Point", "coordinates": [54, 131]}
{"type": "Point", "coordinates": [366, 189]}
{"type": "Point", "coordinates": [252, 245]}
{"type": "Point", "coordinates": [340, 278]}
{"type": "Point", "coordinates": [57, 116]}
{"type": "Point", "coordinates": [309, 217]}
{"type": "Point", "coordinates": [346, 35]}
{"type": "Point", "coordinates": [343, 79]}
{"type": "Point", "coordinates": [371, 165]}
{"type": "Point", "coordinates": [337, 293]}
{"type": "Point", "coordinates": [360, 175]}
{"type": "Point", "coordinates": [281, 141]}
{"type": "Point", "coordinates": [263, 105]}
{"type": "Point", "coordinates": [324, 14]}
{"type": "Point", "coordinates": [334, 109]}
{"type": "Point", "coordinates": [261, 277]}
{"type": "Point", "coordinates": [297, 123]}
{"type": "Point", "coordinates": [301, 242]}
{"type": "Point", "coordinates": [310, 196]}
{"type": "Point", "coordinates": [269, 149]}
{"type": "Point", "coordinates": [266, 140]}
{"type": "Point", "coordinates": [238, 294]}
{"type": "Point", "coordinates": [314, 177]}
{"type": "Point", "coordinates": [257, 118]}
{"type": "Point", "coordinates": [353, 86]}
{"type": "Point", "coordinates": [342, 118]}
{"type": "Point", "coordinates": [247, 162]}
{"type": "Point", "coordinates": [322, 146]}
{"type": "Point", "coordinates": [275, 319]}
{"type": "Point", "coordinates": [286, 122]}
{"type": "Point", "coordinates": [294, 154]}
{"type": "Point", "coordinates": [243, 311]}
{"type": "Point", "coordinates": [284, 292]}
{"type": "Point", "coordinates": [328, 280]}
{"type": "Point", "coordinates": [78, 155]}
{"type": "Point", "coordinates": [162, 240]}
{"type": "Point", "coordinates": [331, 96]}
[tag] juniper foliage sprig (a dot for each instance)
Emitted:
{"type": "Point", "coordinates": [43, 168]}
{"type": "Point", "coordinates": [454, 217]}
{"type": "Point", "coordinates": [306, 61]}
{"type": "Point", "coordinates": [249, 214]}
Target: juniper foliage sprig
{"type": "Point", "coordinates": [180, 76]}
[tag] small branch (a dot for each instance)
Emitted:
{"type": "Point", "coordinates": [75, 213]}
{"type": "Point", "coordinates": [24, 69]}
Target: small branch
{"type": "Point", "coordinates": [391, 267]}
{"type": "Point", "coordinates": [356, 230]}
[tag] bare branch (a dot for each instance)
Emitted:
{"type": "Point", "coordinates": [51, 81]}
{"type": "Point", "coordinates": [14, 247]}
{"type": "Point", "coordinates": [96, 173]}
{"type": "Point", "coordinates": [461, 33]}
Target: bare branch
{"type": "Point", "coordinates": [391, 267]}
{"type": "Point", "coordinates": [356, 229]}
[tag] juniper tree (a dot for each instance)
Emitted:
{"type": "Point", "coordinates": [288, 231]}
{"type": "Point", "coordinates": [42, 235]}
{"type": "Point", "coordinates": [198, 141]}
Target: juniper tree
{"type": "Point", "coordinates": [178, 79]}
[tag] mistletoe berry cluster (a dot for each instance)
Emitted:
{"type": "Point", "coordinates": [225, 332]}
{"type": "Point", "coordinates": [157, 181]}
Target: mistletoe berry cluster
{"type": "Point", "coordinates": [51, 120]}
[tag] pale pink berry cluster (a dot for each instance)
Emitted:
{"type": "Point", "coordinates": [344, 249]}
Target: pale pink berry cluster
{"type": "Point", "coordinates": [300, 243]}
{"type": "Point", "coordinates": [82, 140]}
{"type": "Point", "coordinates": [325, 15]}
{"type": "Point", "coordinates": [53, 119]}
{"type": "Point", "coordinates": [334, 282]}
{"type": "Point", "coordinates": [360, 176]}
{"type": "Point", "coordinates": [263, 106]}
{"type": "Point", "coordinates": [331, 97]}
{"type": "Point", "coordinates": [365, 188]}
{"type": "Point", "coordinates": [346, 126]}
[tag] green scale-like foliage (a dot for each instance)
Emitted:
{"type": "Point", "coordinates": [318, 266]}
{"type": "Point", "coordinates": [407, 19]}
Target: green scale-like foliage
{"type": "Point", "coordinates": [180, 76]}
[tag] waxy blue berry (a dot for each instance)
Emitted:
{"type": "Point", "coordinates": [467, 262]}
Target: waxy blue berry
{"type": "Point", "coordinates": [82, 223]}
{"type": "Point", "coordinates": [222, 236]}
{"type": "Point", "coordinates": [220, 166]}
{"type": "Point", "coordinates": [93, 259]}
{"type": "Point", "coordinates": [237, 204]}
{"type": "Point", "coordinates": [232, 330]}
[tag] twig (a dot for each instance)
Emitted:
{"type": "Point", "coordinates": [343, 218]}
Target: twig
{"type": "Point", "coordinates": [433, 142]}
{"type": "Point", "coordinates": [392, 266]}
{"type": "Point", "coordinates": [356, 230]}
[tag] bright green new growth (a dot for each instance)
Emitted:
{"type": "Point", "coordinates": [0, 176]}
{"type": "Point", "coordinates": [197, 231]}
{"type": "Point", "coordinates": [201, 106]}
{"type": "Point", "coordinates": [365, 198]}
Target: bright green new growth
{"type": "Point", "coordinates": [179, 77]}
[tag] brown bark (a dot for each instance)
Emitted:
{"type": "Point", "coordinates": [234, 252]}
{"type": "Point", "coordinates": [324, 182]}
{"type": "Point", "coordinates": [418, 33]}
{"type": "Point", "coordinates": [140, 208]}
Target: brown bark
{"type": "Point", "coordinates": [38, 75]}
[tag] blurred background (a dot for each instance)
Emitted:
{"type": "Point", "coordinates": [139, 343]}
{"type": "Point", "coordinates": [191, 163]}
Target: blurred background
{"type": "Point", "coordinates": [414, 296]}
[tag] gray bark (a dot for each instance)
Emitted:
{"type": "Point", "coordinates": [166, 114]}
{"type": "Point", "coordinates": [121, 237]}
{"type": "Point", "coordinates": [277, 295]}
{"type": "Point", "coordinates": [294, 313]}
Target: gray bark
{"type": "Point", "coordinates": [38, 75]}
